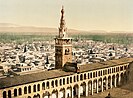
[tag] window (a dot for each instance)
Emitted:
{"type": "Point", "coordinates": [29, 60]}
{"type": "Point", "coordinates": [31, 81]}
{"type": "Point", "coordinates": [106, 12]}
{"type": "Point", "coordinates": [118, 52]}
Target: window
{"type": "Point", "coordinates": [15, 92]}
{"type": "Point", "coordinates": [25, 90]}
{"type": "Point", "coordinates": [20, 91]}
{"type": "Point", "coordinates": [67, 80]}
{"type": "Point", "coordinates": [34, 88]}
{"type": "Point", "coordinates": [29, 89]}
{"type": "Point", "coordinates": [38, 87]}
{"type": "Point", "coordinates": [9, 94]}
{"type": "Point", "coordinates": [4, 94]}
{"type": "Point", "coordinates": [43, 86]}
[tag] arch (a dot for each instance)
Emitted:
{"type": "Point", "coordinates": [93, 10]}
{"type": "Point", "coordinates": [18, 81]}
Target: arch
{"type": "Point", "coordinates": [105, 84]}
{"type": "Point", "coordinates": [95, 85]}
{"type": "Point", "coordinates": [77, 77]}
{"type": "Point", "coordinates": [9, 94]}
{"type": "Point", "coordinates": [69, 92]}
{"type": "Point", "coordinates": [113, 80]}
{"type": "Point", "coordinates": [15, 92]}
{"type": "Point", "coordinates": [60, 82]}
{"type": "Point", "coordinates": [46, 94]}
{"type": "Point", "coordinates": [117, 79]}
{"type": "Point", "coordinates": [63, 81]}
{"type": "Point", "coordinates": [81, 77]}
{"type": "Point", "coordinates": [20, 91]}
{"type": "Point", "coordinates": [88, 76]}
{"type": "Point", "coordinates": [100, 86]}
{"type": "Point", "coordinates": [28, 97]}
{"type": "Point", "coordinates": [29, 89]}
{"type": "Point", "coordinates": [36, 96]}
{"type": "Point", "coordinates": [38, 87]}
{"type": "Point", "coordinates": [4, 94]}
{"type": "Point", "coordinates": [70, 79]}
{"type": "Point", "coordinates": [122, 78]}
{"type": "Point", "coordinates": [43, 86]}
{"type": "Point", "coordinates": [62, 93]}
{"type": "Point", "coordinates": [52, 83]}
{"type": "Point", "coordinates": [55, 93]}
{"type": "Point", "coordinates": [67, 80]}
{"type": "Point", "coordinates": [47, 85]}
{"type": "Point", "coordinates": [56, 83]}
{"type": "Point", "coordinates": [82, 89]}
{"type": "Point", "coordinates": [25, 90]}
{"type": "Point", "coordinates": [34, 88]}
{"type": "Point", "coordinates": [75, 90]}
{"type": "Point", "coordinates": [74, 79]}
{"type": "Point", "coordinates": [109, 82]}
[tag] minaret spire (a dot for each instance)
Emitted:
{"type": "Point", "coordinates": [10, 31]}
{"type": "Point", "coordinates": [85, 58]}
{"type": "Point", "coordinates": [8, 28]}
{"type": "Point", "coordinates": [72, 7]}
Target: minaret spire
{"type": "Point", "coordinates": [62, 28]}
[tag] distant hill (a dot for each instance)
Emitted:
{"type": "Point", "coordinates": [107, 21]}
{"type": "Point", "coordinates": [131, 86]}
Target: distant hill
{"type": "Point", "coordinates": [8, 27]}
{"type": "Point", "coordinates": [19, 29]}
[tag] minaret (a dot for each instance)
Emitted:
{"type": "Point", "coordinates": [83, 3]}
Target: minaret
{"type": "Point", "coordinates": [62, 28]}
{"type": "Point", "coordinates": [63, 44]}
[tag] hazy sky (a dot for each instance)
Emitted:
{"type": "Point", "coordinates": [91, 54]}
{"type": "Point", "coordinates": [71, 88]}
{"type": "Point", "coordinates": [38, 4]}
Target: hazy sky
{"type": "Point", "coordinates": [107, 15]}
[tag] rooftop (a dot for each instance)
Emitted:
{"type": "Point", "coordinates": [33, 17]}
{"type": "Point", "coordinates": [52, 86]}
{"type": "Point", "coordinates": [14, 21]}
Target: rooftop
{"type": "Point", "coordinates": [34, 77]}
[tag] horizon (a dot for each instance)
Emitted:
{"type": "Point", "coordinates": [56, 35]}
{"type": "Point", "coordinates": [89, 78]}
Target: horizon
{"type": "Point", "coordinates": [89, 15]}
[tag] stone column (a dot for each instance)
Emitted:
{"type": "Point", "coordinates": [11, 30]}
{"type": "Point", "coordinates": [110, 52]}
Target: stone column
{"type": "Point", "coordinates": [65, 93]}
{"type": "Point", "coordinates": [79, 92]}
{"type": "Point", "coordinates": [92, 88]}
{"type": "Point", "coordinates": [86, 92]}
{"type": "Point", "coordinates": [97, 86]}
{"type": "Point", "coordinates": [115, 81]}
{"type": "Point", "coordinates": [72, 93]}
{"type": "Point", "coordinates": [107, 84]}
{"type": "Point", "coordinates": [102, 85]}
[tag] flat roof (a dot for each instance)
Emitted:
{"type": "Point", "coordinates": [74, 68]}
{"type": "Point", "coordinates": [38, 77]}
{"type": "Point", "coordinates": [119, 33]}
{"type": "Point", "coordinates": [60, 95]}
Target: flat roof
{"type": "Point", "coordinates": [45, 75]}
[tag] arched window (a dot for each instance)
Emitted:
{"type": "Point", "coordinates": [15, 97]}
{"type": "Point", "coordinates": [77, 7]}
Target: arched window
{"type": "Point", "coordinates": [20, 91]}
{"type": "Point", "coordinates": [4, 94]}
{"type": "Point", "coordinates": [43, 86]}
{"type": "Point", "coordinates": [70, 79]}
{"type": "Point", "coordinates": [34, 88]}
{"type": "Point", "coordinates": [52, 83]}
{"type": "Point", "coordinates": [84, 76]}
{"type": "Point", "coordinates": [74, 79]}
{"type": "Point", "coordinates": [88, 76]}
{"type": "Point", "coordinates": [38, 87]}
{"type": "Point", "coordinates": [77, 78]}
{"type": "Point", "coordinates": [81, 77]}
{"type": "Point", "coordinates": [25, 90]}
{"type": "Point", "coordinates": [9, 94]}
{"type": "Point", "coordinates": [60, 82]}
{"type": "Point", "coordinates": [67, 80]}
{"type": "Point", "coordinates": [29, 89]}
{"type": "Point", "coordinates": [63, 81]}
{"type": "Point", "coordinates": [15, 92]}
{"type": "Point", "coordinates": [56, 82]}
{"type": "Point", "coordinates": [47, 85]}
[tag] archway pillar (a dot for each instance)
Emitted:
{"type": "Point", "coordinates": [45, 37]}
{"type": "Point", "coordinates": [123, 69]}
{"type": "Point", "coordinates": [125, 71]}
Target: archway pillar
{"type": "Point", "coordinates": [72, 93]}
{"type": "Point", "coordinates": [86, 93]}
{"type": "Point", "coordinates": [97, 86]}
{"type": "Point", "coordinates": [102, 85]}
{"type": "Point", "coordinates": [92, 88]}
{"type": "Point", "coordinates": [65, 93]}
{"type": "Point", "coordinates": [119, 80]}
{"type": "Point", "coordinates": [115, 82]}
{"type": "Point", "coordinates": [79, 92]}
